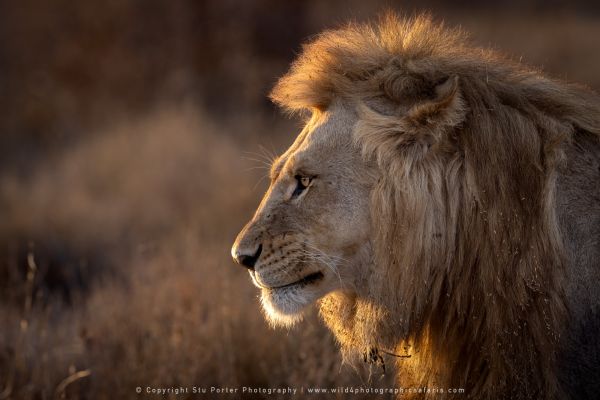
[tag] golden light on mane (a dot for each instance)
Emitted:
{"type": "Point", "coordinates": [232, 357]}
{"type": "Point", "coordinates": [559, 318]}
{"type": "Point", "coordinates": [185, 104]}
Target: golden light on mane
{"type": "Point", "coordinates": [467, 249]}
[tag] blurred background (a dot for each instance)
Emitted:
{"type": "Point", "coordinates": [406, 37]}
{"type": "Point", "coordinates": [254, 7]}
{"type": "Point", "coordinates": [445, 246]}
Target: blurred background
{"type": "Point", "coordinates": [133, 138]}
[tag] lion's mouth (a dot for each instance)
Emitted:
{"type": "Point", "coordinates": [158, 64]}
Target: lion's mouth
{"type": "Point", "coordinates": [308, 279]}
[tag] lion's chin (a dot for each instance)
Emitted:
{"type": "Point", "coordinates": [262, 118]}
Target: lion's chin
{"type": "Point", "coordinates": [285, 307]}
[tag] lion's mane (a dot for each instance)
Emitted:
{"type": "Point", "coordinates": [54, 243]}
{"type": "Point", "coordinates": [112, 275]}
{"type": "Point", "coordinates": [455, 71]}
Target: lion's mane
{"type": "Point", "coordinates": [468, 262]}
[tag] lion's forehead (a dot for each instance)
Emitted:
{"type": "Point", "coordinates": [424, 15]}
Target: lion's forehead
{"type": "Point", "coordinates": [325, 137]}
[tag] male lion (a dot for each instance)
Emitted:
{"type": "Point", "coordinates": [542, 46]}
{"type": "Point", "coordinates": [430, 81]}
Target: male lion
{"type": "Point", "coordinates": [442, 203]}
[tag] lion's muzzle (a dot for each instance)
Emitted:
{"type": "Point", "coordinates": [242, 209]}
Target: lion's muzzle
{"type": "Point", "coordinates": [245, 259]}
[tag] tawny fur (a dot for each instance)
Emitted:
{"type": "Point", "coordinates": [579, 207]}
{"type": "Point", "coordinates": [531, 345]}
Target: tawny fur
{"type": "Point", "coordinates": [468, 261]}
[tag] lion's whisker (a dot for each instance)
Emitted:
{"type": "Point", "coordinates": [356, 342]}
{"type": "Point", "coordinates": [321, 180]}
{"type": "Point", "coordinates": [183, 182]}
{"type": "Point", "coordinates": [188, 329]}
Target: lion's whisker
{"type": "Point", "coordinates": [263, 163]}
{"type": "Point", "coordinates": [322, 257]}
{"type": "Point", "coordinates": [327, 255]}
{"type": "Point", "coordinates": [259, 181]}
{"type": "Point", "coordinates": [270, 155]}
{"type": "Point", "coordinates": [267, 158]}
{"type": "Point", "coordinates": [255, 168]}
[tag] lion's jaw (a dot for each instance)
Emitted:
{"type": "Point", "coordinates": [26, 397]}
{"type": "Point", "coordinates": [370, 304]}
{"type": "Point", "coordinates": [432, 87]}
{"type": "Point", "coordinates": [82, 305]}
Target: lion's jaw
{"type": "Point", "coordinates": [291, 278]}
{"type": "Point", "coordinates": [284, 303]}
{"type": "Point", "coordinates": [308, 241]}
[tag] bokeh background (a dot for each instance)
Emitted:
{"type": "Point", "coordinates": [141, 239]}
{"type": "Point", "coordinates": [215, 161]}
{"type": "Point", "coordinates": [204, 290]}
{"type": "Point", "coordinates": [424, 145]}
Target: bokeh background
{"type": "Point", "coordinates": [133, 138]}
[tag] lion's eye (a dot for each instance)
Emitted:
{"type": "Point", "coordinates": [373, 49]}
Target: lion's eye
{"type": "Point", "coordinates": [302, 183]}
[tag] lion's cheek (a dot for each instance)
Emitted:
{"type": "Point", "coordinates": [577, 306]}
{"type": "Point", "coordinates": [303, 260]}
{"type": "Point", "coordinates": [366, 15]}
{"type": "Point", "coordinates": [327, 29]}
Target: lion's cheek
{"type": "Point", "coordinates": [338, 234]}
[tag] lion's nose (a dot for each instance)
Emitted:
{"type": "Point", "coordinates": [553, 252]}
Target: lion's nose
{"type": "Point", "coordinates": [245, 259]}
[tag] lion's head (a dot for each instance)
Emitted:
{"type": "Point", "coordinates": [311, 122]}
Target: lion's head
{"type": "Point", "coordinates": [416, 206]}
{"type": "Point", "coordinates": [308, 236]}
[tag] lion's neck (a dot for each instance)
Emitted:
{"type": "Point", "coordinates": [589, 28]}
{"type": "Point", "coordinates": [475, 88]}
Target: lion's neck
{"type": "Point", "coordinates": [446, 351]}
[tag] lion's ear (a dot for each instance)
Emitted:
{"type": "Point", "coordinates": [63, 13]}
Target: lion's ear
{"type": "Point", "coordinates": [446, 108]}
{"type": "Point", "coordinates": [423, 124]}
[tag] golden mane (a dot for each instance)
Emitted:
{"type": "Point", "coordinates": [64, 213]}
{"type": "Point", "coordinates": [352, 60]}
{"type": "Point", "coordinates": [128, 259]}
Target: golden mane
{"type": "Point", "coordinates": [469, 264]}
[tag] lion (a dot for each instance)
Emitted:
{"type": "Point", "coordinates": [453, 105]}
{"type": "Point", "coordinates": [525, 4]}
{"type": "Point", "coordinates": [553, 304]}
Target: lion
{"type": "Point", "coordinates": [441, 204]}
